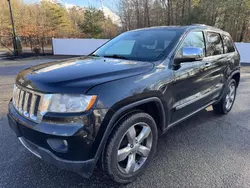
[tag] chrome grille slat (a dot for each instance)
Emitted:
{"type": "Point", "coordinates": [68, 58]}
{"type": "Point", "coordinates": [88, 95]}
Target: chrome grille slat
{"type": "Point", "coordinates": [25, 106]}
{"type": "Point", "coordinates": [17, 97]}
{"type": "Point", "coordinates": [14, 95]}
{"type": "Point", "coordinates": [20, 101]}
{"type": "Point", "coordinates": [32, 106]}
{"type": "Point", "coordinates": [26, 102]}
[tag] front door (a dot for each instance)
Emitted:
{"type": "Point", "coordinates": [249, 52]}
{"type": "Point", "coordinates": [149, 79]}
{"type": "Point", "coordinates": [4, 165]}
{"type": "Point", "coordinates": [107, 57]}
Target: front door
{"type": "Point", "coordinates": [189, 85]}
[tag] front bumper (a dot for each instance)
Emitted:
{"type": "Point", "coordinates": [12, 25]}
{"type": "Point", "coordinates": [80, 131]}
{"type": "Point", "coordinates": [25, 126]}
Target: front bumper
{"type": "Point", "coordinates": [80, 156]}
{"type": "Point", "coordinates": [85, 168]}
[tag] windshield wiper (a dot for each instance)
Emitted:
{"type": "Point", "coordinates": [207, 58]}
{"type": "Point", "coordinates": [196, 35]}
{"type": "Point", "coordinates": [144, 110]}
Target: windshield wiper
{"type": "Point", "coordinates": [116, 56]}
{"type": "Point", "coordinates": [94, 55]}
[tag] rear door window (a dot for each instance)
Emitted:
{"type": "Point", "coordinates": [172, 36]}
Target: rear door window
{"type": "Point", "coordinates": [214, 44]}
{"type": "Point", "coordinates": [228, 44]}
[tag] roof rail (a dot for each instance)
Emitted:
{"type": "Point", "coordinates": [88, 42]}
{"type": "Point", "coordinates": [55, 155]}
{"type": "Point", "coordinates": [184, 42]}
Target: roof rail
{"type": "Point", "coordinates": [199, 25]}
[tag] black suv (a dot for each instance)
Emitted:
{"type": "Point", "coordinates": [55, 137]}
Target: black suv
{"type": "Point", "coordinates": [110, 107]}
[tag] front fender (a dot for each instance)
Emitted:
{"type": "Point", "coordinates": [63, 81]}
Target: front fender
{"type": "Point", "coordinates": [117, 115]}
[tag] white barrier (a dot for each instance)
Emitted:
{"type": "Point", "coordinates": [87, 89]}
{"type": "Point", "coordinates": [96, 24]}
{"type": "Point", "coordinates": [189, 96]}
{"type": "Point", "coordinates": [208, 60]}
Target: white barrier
{"type": "Point", "coordinates": [76, 46]}
{"type": "Point", "coordinates": [244, 50]}
{"type": "Point", "coordinates": [86, 46]}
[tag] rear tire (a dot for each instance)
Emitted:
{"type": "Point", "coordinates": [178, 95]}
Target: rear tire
{"type": "Point", "coordinates": [226, 103]}
{"type": "Point", "coordinates": [130, 148]}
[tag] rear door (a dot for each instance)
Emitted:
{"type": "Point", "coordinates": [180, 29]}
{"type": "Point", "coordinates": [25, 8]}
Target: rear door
{"type": "Point", "coordinates": [212, 67]}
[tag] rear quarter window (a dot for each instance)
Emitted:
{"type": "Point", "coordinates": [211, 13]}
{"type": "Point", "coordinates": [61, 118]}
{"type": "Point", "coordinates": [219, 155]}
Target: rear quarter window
{"type": "Point", "coordinates": [228, 44]}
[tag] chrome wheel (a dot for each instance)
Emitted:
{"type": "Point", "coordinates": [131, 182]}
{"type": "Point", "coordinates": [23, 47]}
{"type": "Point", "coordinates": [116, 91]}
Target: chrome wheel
{"type": "Point", "coordinates": [134, 148]}
{"type": "Point", "coordinates": [230, 96]}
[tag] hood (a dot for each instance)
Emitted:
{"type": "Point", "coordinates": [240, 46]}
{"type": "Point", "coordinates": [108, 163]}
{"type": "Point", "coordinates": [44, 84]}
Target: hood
{"type": "Point", "coordinates": [78, 75]}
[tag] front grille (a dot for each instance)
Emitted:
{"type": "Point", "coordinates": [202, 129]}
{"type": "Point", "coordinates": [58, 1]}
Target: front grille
{"type": "Point", "coordinates": [27, 102]}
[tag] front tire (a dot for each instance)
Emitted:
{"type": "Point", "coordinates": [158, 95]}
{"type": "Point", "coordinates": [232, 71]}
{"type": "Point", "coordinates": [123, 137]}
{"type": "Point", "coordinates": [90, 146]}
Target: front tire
{"type": "Point", "coordinates": [130, 148]}
{"type": "Point", "coordinates": [226, 103]}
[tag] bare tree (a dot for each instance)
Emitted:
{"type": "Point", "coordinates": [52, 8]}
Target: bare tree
{"type": "Point", "coordinates": [230, 15]}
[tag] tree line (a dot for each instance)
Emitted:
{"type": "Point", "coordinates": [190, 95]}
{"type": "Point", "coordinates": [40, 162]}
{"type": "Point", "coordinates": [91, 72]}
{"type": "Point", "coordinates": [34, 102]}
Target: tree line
{"type": "Point", "coordinates": [51, 19]}
{"type": "Point", "coordinates": [230, 15]}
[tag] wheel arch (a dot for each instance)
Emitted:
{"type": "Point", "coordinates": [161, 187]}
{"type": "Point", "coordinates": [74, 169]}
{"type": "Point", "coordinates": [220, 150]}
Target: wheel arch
{"type": "Point", "coordinates": [126, 110]}
{"type": "Point", "coordinates": [236, 76]}
{"type": "Point", "coordinates": [143, 105]}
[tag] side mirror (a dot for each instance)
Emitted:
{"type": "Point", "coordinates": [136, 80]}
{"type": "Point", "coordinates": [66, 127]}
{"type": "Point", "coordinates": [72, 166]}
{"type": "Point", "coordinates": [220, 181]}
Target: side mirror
{"type": "Point", "coordinates": [190, 54]}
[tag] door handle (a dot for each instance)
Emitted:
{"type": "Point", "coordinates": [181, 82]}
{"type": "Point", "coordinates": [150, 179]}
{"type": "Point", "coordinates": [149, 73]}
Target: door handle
{"type": "Point", "coordinates": [208, 64]}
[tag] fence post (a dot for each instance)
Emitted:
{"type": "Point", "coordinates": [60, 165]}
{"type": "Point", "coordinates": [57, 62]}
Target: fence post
{"type": "Point", "coordinates": [52, 46]}
{"type": "Point", "coordinates": [43, 45]}
{"type": "Point", "coordinates": [31, 45]}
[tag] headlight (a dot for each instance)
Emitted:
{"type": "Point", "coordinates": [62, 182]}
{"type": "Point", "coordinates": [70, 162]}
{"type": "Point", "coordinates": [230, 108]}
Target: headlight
{"type": "Point", "coordinates": [70, 103]}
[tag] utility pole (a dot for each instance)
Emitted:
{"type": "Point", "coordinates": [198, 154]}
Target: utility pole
{"type": "Point", "coordinates": [13, 30]}
{"type": "Point", "coordinates": [101, 2]}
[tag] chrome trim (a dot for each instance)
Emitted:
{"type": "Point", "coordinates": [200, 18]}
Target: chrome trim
{"type": "Point", "coordinates": [14, 95]}
{"type": "Point", "coordinates": [196, 97]}
{"type": "Point", "coordinates": [25, 105]}
{"type": "Point", "coordinates": [26, 145]}
{"type": "Point", "coordinates": [18, 97]}
{"type": "Point", "coordinates": [189, 115]}
{"type": "Point", "coordinates": [32, 106]}
{"type": "Point", "coordinates": [20, 102]}
{"type": "Point", "coordinates": [25, 101]}
{"type": "Point", "coordinates": [192, 52]}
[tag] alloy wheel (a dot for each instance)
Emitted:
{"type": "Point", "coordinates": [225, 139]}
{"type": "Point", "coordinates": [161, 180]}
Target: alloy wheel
{"type": "Point", "coordinates": [230, 96]}
{"type": "Point", "coordinates": [134, 148]}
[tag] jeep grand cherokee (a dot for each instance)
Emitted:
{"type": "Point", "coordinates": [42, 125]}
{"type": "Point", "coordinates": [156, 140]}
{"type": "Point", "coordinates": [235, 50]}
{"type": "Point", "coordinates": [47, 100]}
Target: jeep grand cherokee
{"type": "Point", "coordinates": [110, 107]}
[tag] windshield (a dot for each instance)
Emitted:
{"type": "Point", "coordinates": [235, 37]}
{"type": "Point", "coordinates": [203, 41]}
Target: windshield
{"type": "Point", "coordinates": [141, 45]}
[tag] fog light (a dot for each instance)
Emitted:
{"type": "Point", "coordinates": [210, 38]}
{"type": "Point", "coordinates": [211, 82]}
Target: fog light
{"type": "Point", "coordinates": [58, 145]}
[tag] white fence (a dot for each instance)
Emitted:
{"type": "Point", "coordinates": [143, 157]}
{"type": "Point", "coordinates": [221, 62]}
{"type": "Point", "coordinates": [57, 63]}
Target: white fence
{"type": "Point", "coordinates": [86, 46]}
{"type": "Point", "coordinates": [244, 50]}
{"type": "Point", "coordinates": [76, 46]}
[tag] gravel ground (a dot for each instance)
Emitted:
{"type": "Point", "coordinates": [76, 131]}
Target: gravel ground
{"type": "Point", "coordinates": [204, 151]}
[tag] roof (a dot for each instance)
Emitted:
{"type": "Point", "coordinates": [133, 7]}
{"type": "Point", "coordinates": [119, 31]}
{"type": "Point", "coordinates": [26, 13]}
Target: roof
{"type": "Point", "coordinates": [185, 28]}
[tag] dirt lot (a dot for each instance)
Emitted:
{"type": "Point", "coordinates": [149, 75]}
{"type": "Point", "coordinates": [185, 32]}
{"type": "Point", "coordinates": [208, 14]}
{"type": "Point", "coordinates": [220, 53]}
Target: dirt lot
{"type": "Point", "coordinates": [204, 151]}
